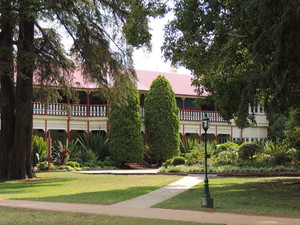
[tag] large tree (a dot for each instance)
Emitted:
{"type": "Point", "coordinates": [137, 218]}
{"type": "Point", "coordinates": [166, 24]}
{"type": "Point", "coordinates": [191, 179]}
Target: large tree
{"type": "Point", "coordinates": [31, 51]}
{"type": "Point", "coordinates": [240, 51]}
{"type": "Point", "coordinates": [126, 144]}
{"type": "Point", "coordinates": [162, 120]}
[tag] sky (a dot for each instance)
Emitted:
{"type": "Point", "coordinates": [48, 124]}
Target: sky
{"type": "Point", "coordinates": [154, 61]}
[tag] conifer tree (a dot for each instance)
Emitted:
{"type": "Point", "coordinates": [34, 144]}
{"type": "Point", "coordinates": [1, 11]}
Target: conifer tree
{"type": "Point", "coordinates": [161, 120]}
{"type": "Point", "coordinates": [126, 145]}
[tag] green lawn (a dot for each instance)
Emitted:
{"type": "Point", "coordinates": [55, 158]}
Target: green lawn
{"type": "Point", "coordinates": [266, 196]}
{"type": "Point", "coordinates": [82, 188]}
{"type": "Point", "coordinates": [23, 216]}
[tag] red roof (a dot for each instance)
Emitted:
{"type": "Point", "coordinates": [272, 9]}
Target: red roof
{"type": "Point", "coordinates": [181, 83]}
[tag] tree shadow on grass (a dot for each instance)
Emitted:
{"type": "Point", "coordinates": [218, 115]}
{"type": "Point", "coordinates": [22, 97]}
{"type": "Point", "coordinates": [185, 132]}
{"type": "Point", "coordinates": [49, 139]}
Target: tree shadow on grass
{"type": "Point", "coordinates": [267, 197]}
{"type": "Point", "coordinates": [98, 197]}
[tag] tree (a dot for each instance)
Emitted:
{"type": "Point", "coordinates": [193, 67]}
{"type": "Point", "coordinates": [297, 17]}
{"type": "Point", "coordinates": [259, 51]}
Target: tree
{"type": "Point", "coordinates": [103, 34]}
{"type": "Point", "coordinates": [162, 120]}
{"type": "Point", "coordinates": [126, 145]}
{"type": "Point", "coordinates": [240, 51]}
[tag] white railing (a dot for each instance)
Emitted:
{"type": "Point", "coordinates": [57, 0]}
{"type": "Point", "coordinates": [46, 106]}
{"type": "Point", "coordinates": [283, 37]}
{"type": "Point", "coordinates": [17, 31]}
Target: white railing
{"type": "Point", "coordinates": [80, 110]}
{"type": "Point", "coordinates": [61, 109]}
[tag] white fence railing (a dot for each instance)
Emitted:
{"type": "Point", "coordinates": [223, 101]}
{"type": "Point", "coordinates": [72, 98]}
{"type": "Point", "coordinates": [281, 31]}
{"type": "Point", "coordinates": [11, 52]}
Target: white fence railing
{"type": "Point", "coordinates": [81, 110]}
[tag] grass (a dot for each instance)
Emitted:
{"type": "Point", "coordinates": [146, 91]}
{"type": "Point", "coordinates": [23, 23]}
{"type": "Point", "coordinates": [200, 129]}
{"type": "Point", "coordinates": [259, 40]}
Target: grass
{"type": "Point", "coordinates": [263, 196]}
{"type": "Point", "coordinates": [82, 188]}
{"type": "Point", "coordinates": [24, 216]}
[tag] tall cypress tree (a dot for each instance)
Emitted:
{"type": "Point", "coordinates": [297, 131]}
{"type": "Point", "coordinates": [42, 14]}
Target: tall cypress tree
{"type": "Point", "coordinates": [161, 120]}
{"type": "Point", "coordinates": [126, 145]}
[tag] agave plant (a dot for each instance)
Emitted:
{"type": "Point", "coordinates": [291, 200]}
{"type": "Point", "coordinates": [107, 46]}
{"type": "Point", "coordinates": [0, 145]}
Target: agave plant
{"type": "Point", "coordinates": [95, 143]}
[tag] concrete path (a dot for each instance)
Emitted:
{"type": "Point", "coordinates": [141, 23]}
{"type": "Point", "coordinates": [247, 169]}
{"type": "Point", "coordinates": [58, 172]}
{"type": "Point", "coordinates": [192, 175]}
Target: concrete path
{"type": "Point", "coordinates": [139, 207]}
{"type": "Point", "coordinates": [120, 172]}
{"type": "Point", "coordinates": [153, 213]}
{"type": "Point", "coordinates": [162, 194]}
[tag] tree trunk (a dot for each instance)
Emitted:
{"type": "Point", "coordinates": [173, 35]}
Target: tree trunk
{"type": "Point", "coordinates": [22, 147]}
{"type": "Point", "coordinates": [7, 89]}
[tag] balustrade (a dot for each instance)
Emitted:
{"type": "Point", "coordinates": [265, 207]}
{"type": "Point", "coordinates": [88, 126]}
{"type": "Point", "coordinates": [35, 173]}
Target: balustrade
{"type": "Point", "coordinates": [80, 110]}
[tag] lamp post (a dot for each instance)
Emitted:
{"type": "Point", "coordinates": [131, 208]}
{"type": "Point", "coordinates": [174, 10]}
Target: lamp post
{"type": "Point", "coordinates": [206, 200]}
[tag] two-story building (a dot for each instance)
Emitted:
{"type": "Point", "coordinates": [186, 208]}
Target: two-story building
{"type": "Point", "coordinates": [66, 120]}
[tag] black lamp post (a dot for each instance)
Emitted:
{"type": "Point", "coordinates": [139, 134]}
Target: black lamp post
{"type": "Point", "coordinates": [206, 200]}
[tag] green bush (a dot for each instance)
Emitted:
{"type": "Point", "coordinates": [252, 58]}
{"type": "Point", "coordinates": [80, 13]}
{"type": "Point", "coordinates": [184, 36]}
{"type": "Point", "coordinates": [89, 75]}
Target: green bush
{"type": "Point", "coordinates": [87, 164]}
{"type": "Point", "coordinates": [224, 147]}
{"type": "Point", "coordinates": [87, 156]}
{"type": "Point", "coordinates": [167, 163]}
{"type": "Point", "coordinates": [162, 120]}
{"type": "Point", "coordinates": [226, 157]}
{"type": "Point", "coordinates": [178, 161]}
{"type": "Point", "coordinates": [107, 164]}
{"type": "Point", "coordinates": [39, 150]}
{"type": "Point", "coordinates": [73, 164]}
{"type": "Point", "coordinates": [95, 143]}
{"type": "Point", "coordinates": [100, 164]}
{"type": "Point", "coordinates": [194, 157]}
{"type": "Point", "coordinates": [44, 166]}
{"type": "Point", "coordinates": [126, 143]}
{"type": "Point", "coordinates": [65, 167]}
{"type": "Point", "coordinates": [247, 151]}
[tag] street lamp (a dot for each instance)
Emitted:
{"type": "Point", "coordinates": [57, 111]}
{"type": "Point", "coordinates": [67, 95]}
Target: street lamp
{"type": "Point", "coordinates": [206, 200]}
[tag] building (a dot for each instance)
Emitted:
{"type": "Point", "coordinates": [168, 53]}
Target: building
{"type": "Point", "coordinates": [66, 120]}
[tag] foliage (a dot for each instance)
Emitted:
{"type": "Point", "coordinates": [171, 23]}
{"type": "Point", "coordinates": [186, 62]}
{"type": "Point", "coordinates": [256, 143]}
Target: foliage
{"type": "Point", "coordinates": [225, 147]}
{"type": "Point", "coordinates": [44, 166]}
{"type": "Point", "coordinates": [292, 131]}
{"type": "Point", "coordinates": [39, 150]}
{"type": "Point", "coordinates": [237, 53]}
{"type": "Point", "coordinates": [95, 143]}
{"type": "Point", "coordinates": [178, 161]}
{"type": "Point", "coordinates": [73, 164]}
{"type": "Point", "coordinates": [188, 144]}
{"type": "Point", "coordinates": [277, 126]}
{"type": "Point", "coordinates": [102, 33]}
{"type": "Point", "coordinates": [161, 120]}
{"type": "Point", "coordinates": [60, 153]}
{"type": "Point", "coordinates": [247, 151]}
{"type": "Point", "coordinates": [126, 144]}
{"type": "Point", "coordinates": [227, 157]}
{"type": "Point", "coordinates": [194, 157]}
{"type": "Point", "coordinates": [87, 156]}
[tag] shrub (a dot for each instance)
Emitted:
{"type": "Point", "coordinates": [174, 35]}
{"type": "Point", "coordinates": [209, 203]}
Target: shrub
{"type": "Point", "coordinates": [65, 167]}
{"type": "Point", "coordinates": [178, 161]}
{"type": "Point", "coordinates": [39, 150]}
{"type": "Point", "coordinates": [194, 157]}
{"type": "Point", "coordinates": [167, 163]}
{"type": "Point", "coordinates": [73, 164]}
{"type": "Point", "coordinates": [100, 164]}
{"type": "Point", "coordinates": [226, 157]}
{"type": "Point", "coordinates": [96, 143]}
{"type": "Point", "coordinates": [87, 164]}
{"type": "Point", "coordinates": [162, 121]}
{"type": "Point", "coordinates": [224, 147]}
{"type": "Point", "coordinates": [247, 151]}
{"type": "Point", "coordinates": [107, 164]}
{"type": "Point", "coordinates": [126, 143]}
{"type": "Point", "coordinates": [44, 166]}
{"type": "Point", "coordinates": [87, 156]}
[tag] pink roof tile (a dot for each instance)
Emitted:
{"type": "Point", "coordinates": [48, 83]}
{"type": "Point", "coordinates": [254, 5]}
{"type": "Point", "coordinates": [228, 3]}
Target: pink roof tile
{"type": "Point", "coordinates": [181, 83]}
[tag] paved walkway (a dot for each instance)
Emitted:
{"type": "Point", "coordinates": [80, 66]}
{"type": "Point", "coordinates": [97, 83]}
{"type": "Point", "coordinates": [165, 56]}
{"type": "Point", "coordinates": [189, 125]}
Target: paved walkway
{"type": "Point", "coordinates": [139, 207]}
